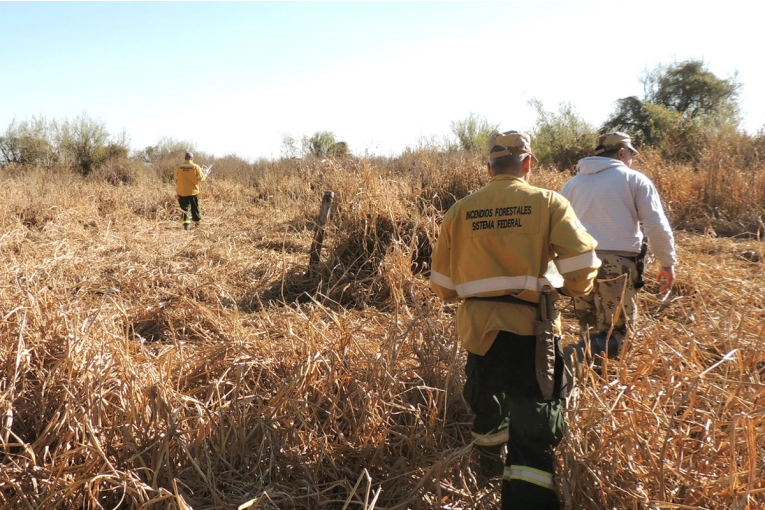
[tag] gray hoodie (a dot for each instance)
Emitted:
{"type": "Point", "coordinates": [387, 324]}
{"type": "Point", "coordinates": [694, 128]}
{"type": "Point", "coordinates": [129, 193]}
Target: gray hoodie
{"type": "Point", "coordinates": [611, 200]}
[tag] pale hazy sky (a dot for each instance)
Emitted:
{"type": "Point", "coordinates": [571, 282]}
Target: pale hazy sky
{"type": "Point", "coordinates": [234, 77]}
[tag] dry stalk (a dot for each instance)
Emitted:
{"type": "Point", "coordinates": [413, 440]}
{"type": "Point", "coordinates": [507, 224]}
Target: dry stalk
{"type": "Point", "coordinates": [142, 366]}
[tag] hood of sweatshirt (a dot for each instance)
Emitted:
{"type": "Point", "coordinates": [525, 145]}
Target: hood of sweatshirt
{"type": "Point", "coordinates": [595, 164]}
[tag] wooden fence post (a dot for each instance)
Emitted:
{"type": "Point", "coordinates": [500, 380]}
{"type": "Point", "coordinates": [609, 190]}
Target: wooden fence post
{"type": "Point", "coordinates": [318, 238]}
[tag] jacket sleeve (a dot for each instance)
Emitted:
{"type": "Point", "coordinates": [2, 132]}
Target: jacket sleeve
{"type": "Point", "coordinates": [201, 176]}
{"type": "Point", "coordinates": [573, 247]}
{"type": "Point", "coordinates": [440, 268]}
{"type": "Point", "coordinates": [655, 223]}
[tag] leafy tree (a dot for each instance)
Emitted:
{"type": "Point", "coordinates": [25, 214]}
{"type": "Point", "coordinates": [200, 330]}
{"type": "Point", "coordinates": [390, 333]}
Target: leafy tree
{"type": "Point", "coordinates": [339, 149]}
{"type": "Point", "coordinates": [676, 136]}
{"type": "Point", "coordinates": [632, 116]}
{"type": "Point", "coordinates": [166, 148]}
{"type": "Point", "coordinates": [682, 103]}
{"type": "Point", "coordinates": [473, 132]}
{"type": "Point", "coordinates": [689, 88]}
{"type": "Point", "coordinates": [29, 142]}
{"type": "Point", "coordinates": [88, 145]}
{"type": "Point", "coordinates": [290, 147]}
{"type": "Point", "coordinates": [83, 142]}
{"type": "Point", "coordinates": [319, 144]}
{"type": "Point", "coordinates": [322, 144]}
{"type": "Point", "coordinates": [563, 138]}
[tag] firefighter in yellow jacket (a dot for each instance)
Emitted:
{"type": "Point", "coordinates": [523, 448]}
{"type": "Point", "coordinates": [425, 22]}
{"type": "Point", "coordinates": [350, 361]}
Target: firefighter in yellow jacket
{"type": "Point", "coordinates": [493, 252]}
{"type": "Point", "coordinates": [187, 178]}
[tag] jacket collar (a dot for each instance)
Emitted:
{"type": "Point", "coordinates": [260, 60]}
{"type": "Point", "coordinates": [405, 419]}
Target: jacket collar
{"type": "Point", "coordinates": [505, 177]}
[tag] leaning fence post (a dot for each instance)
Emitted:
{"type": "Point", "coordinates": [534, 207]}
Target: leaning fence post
{"type": "Point", "coordinates": [318, 238]}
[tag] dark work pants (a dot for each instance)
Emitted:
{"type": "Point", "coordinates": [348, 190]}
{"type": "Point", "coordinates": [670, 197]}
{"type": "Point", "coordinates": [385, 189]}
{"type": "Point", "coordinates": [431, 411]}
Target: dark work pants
{"type": "Point", "coordinates": [502, 391]}
{"type": "Point", "coordinates": [192, 203]}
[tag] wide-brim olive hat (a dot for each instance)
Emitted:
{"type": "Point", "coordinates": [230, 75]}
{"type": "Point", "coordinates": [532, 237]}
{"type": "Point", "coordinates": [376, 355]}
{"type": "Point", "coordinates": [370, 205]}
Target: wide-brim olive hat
{"type": "Point", "coordinates": [510, 143]}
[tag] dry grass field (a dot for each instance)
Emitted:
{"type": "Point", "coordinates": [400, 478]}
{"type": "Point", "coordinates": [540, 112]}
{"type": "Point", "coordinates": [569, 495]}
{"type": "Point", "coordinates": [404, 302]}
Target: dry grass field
{"type": "Point", "coordinates": [143, 366]}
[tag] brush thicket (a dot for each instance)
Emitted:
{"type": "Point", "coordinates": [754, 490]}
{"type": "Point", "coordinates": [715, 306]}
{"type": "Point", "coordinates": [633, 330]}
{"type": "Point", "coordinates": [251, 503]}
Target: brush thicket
{"type": "Point", "coordinates": [143, 366]}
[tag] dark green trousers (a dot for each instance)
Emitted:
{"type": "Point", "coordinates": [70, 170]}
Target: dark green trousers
{"type": "Point", "coordinates": [502, 391]}
{"type": "Point", "coordinates": [192, 203]}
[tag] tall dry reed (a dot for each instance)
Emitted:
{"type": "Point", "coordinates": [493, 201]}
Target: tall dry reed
{"type": "Point", "coordinates": [143, 366]}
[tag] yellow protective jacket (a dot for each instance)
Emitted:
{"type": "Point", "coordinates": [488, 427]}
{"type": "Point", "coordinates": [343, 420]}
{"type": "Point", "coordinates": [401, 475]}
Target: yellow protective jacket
{"type": "Point", "coordinates": [187, 178]}
{"type": "Point", "coordinates": [499, 241]}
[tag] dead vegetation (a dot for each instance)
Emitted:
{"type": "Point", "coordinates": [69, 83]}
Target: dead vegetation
{"type": "Point", "coordinates": [142, 366]}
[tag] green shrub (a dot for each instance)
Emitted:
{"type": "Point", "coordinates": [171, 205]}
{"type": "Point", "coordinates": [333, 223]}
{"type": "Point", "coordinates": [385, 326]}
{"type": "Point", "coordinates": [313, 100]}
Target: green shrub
{"type": "Point", "coordinates": [322, 144]}
{"type": "Point", "coordinates": [473, 132]}
{"type": "Point", "coordinates": [29, 142]}
{"type": "Point", "coordinates": [561, 139]}
{"type": "Point", "coordinates": [166, 148]}
{"type": "Point", "coordinates": [87, 144]}
{"type": "Point", "coordinates": [82, 143]}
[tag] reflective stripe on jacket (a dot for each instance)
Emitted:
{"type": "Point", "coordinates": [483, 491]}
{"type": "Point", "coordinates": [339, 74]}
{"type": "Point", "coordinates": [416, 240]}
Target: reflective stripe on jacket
{"type": "Point", "coordinates": [498, 241]}
{"type": "Point", "coordinates": [187, 178]}
{"type": "Point", "coordinates": [529, 475]}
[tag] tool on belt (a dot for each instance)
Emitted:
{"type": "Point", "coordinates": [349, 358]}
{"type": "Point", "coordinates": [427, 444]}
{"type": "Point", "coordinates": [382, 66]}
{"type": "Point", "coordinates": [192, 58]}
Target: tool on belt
{"type": "Point", "coordinates": [640, 264]}
{"type": "Point", "coordinates": [545, 352]}
{"type": "Point", "coordinates": [544, 359]}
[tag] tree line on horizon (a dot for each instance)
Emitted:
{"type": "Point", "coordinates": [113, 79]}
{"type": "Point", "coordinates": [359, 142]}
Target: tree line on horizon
{"type": "Point", "coordinates": [682, 108]}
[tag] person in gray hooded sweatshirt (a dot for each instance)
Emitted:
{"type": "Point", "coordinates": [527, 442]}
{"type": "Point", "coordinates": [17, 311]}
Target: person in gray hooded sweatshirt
{"type": "Point", "coordinates": [612, 201]}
